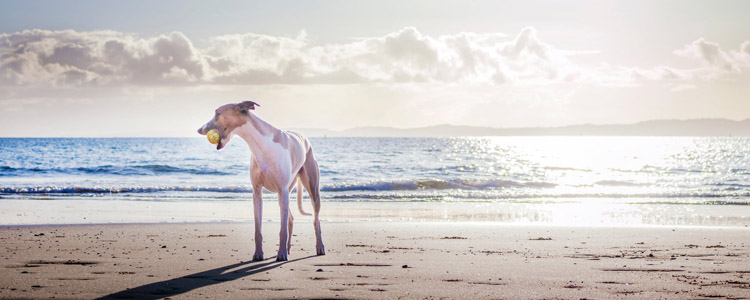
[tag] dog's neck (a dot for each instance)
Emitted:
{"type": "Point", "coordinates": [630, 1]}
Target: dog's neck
{"type": "Point", "coordinates": [258, 134]}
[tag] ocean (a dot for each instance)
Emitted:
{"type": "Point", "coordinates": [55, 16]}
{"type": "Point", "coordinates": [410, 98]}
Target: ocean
{"type": "Point", "coordinates": [682, 171]}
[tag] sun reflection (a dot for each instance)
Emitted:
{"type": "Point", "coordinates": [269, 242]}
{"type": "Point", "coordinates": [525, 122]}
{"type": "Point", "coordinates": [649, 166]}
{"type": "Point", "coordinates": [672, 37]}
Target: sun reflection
{"type": "Point", "coordinates": [584, 213]}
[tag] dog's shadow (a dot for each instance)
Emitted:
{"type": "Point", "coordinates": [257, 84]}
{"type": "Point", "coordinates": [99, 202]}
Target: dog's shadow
{"type": "Point", "coordinates": [184, 284]}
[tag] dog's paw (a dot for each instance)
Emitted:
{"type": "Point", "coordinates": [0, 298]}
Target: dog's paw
{"type": "Point", "coordinates": [258, 256]}
{"type": "Point", "coordinates": [281, 257]}
{"type": "Point", "coordinates": [320, 249]}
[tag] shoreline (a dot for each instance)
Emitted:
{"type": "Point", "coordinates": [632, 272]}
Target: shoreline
{"type": "Point", "coordinates": [453, 223]}
{"type": "Point", "coordinates": [584, 213]}
{"type": "Point", "coordinates": [367, 259]}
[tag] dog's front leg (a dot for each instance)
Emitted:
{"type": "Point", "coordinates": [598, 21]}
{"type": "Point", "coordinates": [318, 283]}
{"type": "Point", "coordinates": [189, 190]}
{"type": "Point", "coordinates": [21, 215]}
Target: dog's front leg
{"type": "Point", "coordinates": [258, 207]}
{"type": "Point", "coordinates": [284, 232]}
{"type": "Point", "coordinates": [291, 232]}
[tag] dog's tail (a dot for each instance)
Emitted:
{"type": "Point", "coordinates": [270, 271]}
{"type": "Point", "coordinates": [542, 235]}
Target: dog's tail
{"type": "Point", "coordinates": [299, 199]}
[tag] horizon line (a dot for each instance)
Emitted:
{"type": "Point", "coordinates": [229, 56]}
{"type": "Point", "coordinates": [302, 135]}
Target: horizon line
{"type": "Point", "coordinates": [334, 131]}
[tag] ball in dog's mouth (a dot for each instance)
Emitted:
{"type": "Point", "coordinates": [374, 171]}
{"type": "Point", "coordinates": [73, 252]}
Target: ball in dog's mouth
{"type": "Point", "coordinates": [213, 136]}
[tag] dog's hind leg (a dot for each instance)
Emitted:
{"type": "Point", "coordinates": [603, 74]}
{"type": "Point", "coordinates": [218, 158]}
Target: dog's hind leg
{"type": "Point", "coordinates": [291, 216]}
{"type": "Point", "coordinates": [310, 177]}
{"type": "Point", "coordinates": [291, 227]}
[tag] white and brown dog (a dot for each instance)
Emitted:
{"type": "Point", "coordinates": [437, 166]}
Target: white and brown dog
{"type": "Point", "coordinates": [280, 158]}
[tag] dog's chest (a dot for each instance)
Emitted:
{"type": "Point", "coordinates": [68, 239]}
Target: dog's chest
{"type": "Point", "coordinates": [274, 166]}
{"type": "Point", "coordinates": [262, 167]}
{"type": "Point", "coordinates": [274, 176]}
{"type": "Point", "coordinates": [262, 170]}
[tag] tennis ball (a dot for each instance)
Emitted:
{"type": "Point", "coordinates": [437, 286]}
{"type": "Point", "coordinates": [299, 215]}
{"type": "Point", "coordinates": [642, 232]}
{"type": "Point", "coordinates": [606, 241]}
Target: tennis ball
{"type": "Point", "coordinates": [213, 136]}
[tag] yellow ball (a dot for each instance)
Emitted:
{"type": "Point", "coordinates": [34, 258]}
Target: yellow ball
{"type": "Point", "coordinates": [213, 136]}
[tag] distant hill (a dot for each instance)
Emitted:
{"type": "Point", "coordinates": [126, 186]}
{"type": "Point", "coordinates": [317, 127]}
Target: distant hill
{"type": "Point", "coordinates": [695, 127]}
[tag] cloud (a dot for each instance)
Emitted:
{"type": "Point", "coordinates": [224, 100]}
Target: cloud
{"type": "Point", "coordinates": [72, 58]}
{"type": "Point", "coordinates": [111, 58]}
{"type": "Point", "coordinates": [712, 63]}
{"type": "Point", "coordinates": [710, 54]}
{"type": "Point", "coordinates": [97, 58]}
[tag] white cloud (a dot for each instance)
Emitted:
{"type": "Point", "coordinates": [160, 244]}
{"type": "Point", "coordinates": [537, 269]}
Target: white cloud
{"type": "Point", "coordinates": [713, 62]}
{"type": "Point", "coordinates": [97, 58]}
{"type": "Point", "coordinates": [72, 58]}
{"type": "Point", "coordinates": [710, 54]}
{"type": "Point", "coordinates": [114, 58]}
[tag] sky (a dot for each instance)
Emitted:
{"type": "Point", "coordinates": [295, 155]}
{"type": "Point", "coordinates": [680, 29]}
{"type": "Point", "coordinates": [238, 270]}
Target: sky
{"type": "Point", "coordinates": [160, 68]}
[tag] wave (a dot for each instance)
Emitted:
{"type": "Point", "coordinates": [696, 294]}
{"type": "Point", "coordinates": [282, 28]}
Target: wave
{"type": "Point", "coordinates": [731, 186]}
{"type": "Point", "coordinates": [152, 169]}
{"type": "Point", "coordinates": [552, 168]}
{"type": "Point", "coordinates": [405, 185]}
{"type": "Point", "coordinates": [226, 193]}
{"type": "Point", "coordinates": [684, 170]}
{"type": "Point", "coordinates": [428, 189]}
{"type": "Point", "coordinates": [679, 171]}
{"type": "Point", "coordinates": [617, 183]}
{"type": "Point", "coordinates": [74, 189]}
{"type": "Point", "coordinates": [679, 198]}
{"type": "Point", "coordinates": [433, 184]}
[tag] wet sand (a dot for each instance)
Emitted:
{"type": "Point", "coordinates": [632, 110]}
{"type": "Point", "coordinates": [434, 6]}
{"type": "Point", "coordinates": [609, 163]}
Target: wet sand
{"type": "Point", "coordinates": [374, 260]}
{"type": "Point", "coordinates": [592, 212]}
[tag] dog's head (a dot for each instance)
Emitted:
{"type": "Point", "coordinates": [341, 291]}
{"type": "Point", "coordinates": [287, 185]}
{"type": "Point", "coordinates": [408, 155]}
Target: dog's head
{"type": "Point", "coordinates": [226, 119]}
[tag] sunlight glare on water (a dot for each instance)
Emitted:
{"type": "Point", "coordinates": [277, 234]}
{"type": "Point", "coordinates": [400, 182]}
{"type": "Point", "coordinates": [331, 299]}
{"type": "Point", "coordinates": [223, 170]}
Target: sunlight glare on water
{"type": "Point", "coordinates": [561, 180]}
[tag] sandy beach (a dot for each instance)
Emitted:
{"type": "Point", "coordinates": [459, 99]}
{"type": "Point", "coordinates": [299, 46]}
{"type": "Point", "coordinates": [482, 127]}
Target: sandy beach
{"type": "Point", "coordinates": [443, 149]}
{"type": "Point", "coordinates": [369, 260]}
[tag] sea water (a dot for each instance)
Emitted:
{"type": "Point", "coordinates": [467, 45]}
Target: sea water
{"type": "Point", "coordinates": [505, 173]}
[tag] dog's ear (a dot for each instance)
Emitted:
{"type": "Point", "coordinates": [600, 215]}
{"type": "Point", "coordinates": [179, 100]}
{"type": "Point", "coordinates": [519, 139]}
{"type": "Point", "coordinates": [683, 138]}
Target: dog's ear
{"type": "Point", "coordinates": [246, 105]}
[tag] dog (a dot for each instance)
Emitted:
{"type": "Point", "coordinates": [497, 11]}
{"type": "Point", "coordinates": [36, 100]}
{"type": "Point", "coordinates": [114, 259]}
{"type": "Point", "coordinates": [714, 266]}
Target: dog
{"type": "Point", "coordinates": [280, 159]}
